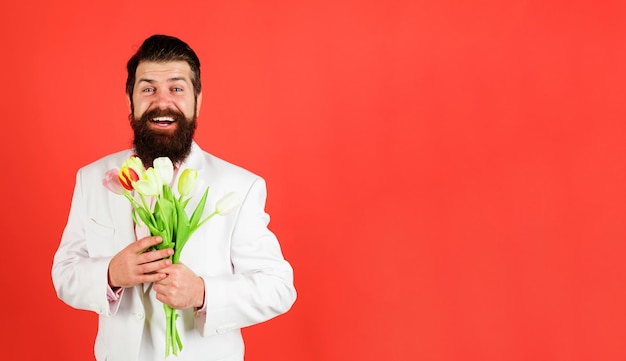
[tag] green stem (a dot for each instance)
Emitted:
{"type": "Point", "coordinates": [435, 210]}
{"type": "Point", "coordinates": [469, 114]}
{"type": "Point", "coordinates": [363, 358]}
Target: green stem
{"type": "Point", "coordinates": [132, 200]}
{"type": "Point", "coordinates": [174, 336]}
{"type": "Point", "coordinates": [173, 343]}
{"type": "Point", "coordinates": [166, 222]}
{"type": "Point", "coordinates": [193, 228]}
{"type": "Point", "coordinates": [147, 208]}
{"type": "Point", "coordinates": [168, 325]}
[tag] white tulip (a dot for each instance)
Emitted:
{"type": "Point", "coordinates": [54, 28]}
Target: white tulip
{"type": "Point", "coordinates": [227, 204]}
{"type": "Point", "coordinates": [165, 169]}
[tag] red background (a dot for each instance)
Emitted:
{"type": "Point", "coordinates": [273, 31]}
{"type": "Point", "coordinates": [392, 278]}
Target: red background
{"type": "Point", "coordinates": [446, 177]}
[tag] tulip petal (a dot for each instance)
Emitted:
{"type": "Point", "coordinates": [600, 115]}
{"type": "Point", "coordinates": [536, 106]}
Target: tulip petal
{"type": "Point", "coordinates": [127, 176]}
{"type": "Point", "coordinates": [165, 169]}
{"type": "Point", "coordinates": [187, 181]}
{"type": "Point", "coordinates": [111, 181]}
{"type": "Point", "coordinates": [146, 187]}
{"type": "Point", "coordinates": [227, 204]}
{"type": "Point", "coordinates": [136, 164]}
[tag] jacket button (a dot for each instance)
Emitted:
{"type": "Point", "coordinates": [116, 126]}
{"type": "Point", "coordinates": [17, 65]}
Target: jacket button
{"type": "Point", "coordinates": [139, 316]}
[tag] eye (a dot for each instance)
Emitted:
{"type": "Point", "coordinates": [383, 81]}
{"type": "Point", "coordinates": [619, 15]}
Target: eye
{"type": "Point", "coordinates": [148, 90]}
{"type": "Point", "coordinates": [177, 89]}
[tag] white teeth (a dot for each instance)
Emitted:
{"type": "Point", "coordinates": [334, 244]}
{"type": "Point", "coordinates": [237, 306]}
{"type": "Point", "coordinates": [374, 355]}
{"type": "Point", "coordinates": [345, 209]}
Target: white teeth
{"type": "Point", "coordinates": [163, 119]}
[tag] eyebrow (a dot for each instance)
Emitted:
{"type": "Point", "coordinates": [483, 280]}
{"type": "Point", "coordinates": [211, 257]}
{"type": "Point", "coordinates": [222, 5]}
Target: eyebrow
{"type": "Point", "coordinates": [169, 80]}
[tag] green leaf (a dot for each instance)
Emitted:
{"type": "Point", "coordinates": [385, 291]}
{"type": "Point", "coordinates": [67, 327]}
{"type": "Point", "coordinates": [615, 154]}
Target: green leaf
{"type": "Point", "coordinates": [144, 215]}
{"type": "Point", "coordinates": [197, 213]}
{"type": "Point", "coordinates": [183, 231]}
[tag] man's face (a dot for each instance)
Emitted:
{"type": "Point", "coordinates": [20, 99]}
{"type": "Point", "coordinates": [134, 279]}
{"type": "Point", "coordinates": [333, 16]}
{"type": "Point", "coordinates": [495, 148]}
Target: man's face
{"type": "Point", "coordinates": [164, 110]}
{"type": "Point", "coordinates": [165, 85]}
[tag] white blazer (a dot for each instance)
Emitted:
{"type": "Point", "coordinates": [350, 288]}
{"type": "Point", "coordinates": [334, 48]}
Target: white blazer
{"type": "Point", "coordinates": [247, 280]}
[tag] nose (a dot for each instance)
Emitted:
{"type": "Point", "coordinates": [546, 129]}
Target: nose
{"type": "Point", "coordinates": [163, 100]}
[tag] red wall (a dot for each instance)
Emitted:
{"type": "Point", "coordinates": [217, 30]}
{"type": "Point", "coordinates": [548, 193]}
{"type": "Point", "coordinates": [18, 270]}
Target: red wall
{"type": "Point", "coordinates": [446, 177]}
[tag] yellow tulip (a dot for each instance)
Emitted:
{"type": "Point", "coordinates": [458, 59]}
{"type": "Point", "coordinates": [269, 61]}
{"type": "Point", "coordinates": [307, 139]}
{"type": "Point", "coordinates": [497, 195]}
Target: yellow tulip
{"type": "Point", "coordinates": [187, 181]}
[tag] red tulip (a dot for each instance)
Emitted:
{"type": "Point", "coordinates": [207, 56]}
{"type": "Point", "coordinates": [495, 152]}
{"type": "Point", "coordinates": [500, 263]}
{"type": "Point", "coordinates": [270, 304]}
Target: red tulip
{"type": "Point", "coordinates": [127, 176]}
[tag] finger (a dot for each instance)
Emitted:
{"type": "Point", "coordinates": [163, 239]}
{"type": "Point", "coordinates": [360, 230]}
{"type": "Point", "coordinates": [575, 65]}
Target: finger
{"type": "Point", "coordinates": [166, 284]}
{"type": "Point", "coordinates": [152, 256]}
{"type": "Point", "coordinates": [175, 271]}
{"type": "Point", "coordinates": [141, 245]}
{"type": "Point", "coordinates": [156, 266]}
{"type": "Point", "coordinates": [163, 299]}
{"type": "Point", "coordinates": [151, 277]}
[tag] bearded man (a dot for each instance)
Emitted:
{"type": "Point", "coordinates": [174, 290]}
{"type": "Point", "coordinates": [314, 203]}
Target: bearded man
{"type": "Point", "coordinates": [232, 273]}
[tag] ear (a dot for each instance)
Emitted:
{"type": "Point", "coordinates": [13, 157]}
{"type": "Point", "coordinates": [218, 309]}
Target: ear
{"type": "Point", "coordinates": [198, 104]}
{"type": "Point", "coordinates": [128, 104]}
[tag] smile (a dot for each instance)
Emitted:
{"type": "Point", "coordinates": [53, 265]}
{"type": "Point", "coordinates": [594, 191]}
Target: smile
{"type": "Point", "coordinates": [163, 120]}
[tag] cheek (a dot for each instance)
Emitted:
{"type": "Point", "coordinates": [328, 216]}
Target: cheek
{"type": "Point", "coordinates": [138, 108]}
{"type": "Point", "coordinates": [187, 107]}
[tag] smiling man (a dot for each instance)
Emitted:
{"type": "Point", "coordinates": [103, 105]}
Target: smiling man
{"type": "Point", "coordinates": [232, 273]}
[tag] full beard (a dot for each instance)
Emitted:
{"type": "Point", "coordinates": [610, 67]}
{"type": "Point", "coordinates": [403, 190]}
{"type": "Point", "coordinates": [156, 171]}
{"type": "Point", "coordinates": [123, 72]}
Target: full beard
{"type": "Point", "coordinates": [151, 144]}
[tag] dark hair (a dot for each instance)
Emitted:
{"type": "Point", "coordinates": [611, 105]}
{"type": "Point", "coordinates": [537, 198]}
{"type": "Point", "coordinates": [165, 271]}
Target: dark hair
{"type": "Point", "coordinates": [163, 48]}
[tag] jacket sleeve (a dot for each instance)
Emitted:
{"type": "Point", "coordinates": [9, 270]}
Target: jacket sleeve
{"type": "Point", "coordinates": [80, 280]}
{"type": "Point", "coordinates": [261, 286]}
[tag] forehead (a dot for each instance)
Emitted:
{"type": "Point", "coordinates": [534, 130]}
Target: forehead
{"type": "Point", "coordinates": [162, 71]}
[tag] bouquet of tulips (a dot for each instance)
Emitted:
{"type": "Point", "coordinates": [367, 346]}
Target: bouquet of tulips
{"type": "Point", "coordinates": [167, 218]}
